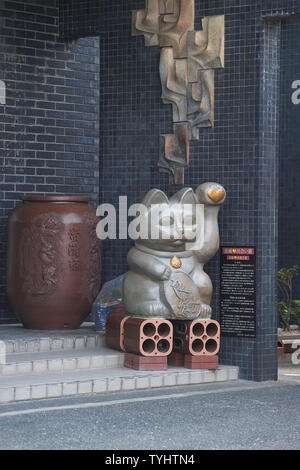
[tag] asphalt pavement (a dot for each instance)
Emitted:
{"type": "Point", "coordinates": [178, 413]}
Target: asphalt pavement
{"type": "Point", "coordinates": [240, 415]}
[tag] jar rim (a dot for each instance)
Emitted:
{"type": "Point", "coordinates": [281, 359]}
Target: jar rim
{"type": "Point", "coordinates": [82, 199]}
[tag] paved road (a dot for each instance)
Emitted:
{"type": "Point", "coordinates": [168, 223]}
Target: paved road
{"type": "Point", "coordinates": [240, 415]}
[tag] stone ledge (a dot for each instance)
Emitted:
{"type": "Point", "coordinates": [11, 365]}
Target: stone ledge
{"type": "Point", "coordinates": [19, 340]}
{"type": "Point", "coordinates": [60, 361]}
{"type": "Point", "coordinates": [54, 385]}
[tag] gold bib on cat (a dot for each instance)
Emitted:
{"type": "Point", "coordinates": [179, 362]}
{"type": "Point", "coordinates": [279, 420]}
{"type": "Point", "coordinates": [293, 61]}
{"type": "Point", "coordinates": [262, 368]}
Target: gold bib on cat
{"type": "Point", "coordinates": [176, 262]}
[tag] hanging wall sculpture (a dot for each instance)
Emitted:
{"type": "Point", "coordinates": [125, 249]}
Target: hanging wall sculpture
{"type": "Point", "coordinates": [187, 63]}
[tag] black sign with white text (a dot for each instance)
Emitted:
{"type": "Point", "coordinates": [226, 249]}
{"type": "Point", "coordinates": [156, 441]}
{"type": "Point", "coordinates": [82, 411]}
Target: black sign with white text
{"type": "Point", "coordinates": [238, 292]}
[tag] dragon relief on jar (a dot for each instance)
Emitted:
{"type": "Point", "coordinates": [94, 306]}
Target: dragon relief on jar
{"type": "Point", "coordinates": [39, 255]}
{"type": "Point", "coordinates": [93, 257]}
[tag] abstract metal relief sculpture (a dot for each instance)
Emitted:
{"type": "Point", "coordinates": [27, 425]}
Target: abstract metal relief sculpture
{"type": "Point", "coordinates": [187, 63]}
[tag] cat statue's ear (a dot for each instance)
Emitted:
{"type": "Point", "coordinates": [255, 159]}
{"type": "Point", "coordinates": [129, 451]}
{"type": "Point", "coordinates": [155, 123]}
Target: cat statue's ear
{"type": "Point", "coordinates": [155, 196]}
{"type": "Point", "coordinates": [184, 196]}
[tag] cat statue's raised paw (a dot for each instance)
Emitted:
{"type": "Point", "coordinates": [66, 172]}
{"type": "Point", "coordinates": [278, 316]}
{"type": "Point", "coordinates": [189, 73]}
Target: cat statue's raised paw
{"type": "Point", "coordinates": [166, 278]}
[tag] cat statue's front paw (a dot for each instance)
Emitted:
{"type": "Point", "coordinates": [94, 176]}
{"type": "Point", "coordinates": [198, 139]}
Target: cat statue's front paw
{"type": "Point", "coordinates": [152, 310]}
{"type": "Point", "coordinates": [166, 274]}
{"type": "Point", "coordinates": [205, 311]}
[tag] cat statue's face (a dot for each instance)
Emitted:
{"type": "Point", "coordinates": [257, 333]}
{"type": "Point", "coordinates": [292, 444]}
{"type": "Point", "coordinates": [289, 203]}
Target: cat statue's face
{"type": "Point", "coordinates": [171, 223]}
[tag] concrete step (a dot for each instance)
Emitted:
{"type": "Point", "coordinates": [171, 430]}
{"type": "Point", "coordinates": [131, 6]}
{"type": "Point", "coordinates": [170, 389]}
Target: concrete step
{"type": "Point", "coordinates": [60, 361]}
{"type": "Point", "coordinates": [19, 340]}
{"type": "Point", "coordinates": [85, 382]}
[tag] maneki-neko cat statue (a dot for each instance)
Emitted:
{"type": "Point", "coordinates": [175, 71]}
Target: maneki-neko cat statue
{"type": "Point", "coordinates": [166, 278]}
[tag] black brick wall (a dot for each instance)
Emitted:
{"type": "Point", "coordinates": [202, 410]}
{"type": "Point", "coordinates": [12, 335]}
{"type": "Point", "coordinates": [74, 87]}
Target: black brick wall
{"type": "Point", "coordinates": [289, 174]}
{"type": "Point", "coordinates": [49, 127]}
{"type": "Point", "coordinates": [80, 17]}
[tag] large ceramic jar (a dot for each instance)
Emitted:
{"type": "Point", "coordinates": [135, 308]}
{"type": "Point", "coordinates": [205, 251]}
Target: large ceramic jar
{"type": "Point", "coordinates": [54, 261]}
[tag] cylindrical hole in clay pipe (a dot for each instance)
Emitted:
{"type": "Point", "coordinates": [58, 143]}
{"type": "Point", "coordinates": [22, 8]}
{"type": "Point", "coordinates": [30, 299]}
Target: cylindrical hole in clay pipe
{"type": "Point", "coordinates": [211, 346]}
{"type": "Point", "coordinates": [163, 346]}
{"type": "Point", "coordinates": [211, 330]}
{"type": "Point", "coordinates": [148, 346]}
{"type": "Point", "coordinates": [198, 329]}
{"type": "Point", "coordinates": [177, 345]}
{"type": "Point", "coordinates": [163, 330]}
{"type": "Point", "coordinates": [149, 329]}
{"type": "Point", "coordinates": [197, 345]}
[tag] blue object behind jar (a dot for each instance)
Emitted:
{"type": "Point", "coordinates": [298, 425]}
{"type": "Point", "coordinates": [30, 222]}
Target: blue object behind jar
{"type": "Point", "coordinates": [101, 313]}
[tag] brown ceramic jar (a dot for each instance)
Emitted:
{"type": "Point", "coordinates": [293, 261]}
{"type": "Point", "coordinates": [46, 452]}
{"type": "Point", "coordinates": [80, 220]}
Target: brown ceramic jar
{"type": "Point", "coordinates": [54, 261]}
